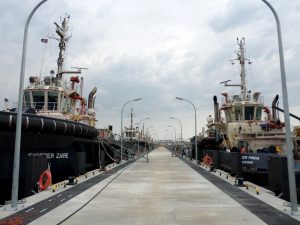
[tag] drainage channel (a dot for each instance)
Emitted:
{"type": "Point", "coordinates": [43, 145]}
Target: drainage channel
{"type": "Point", "coordinates": [29, 214]}
{"type": "Point", "coordinates": [262, 210]}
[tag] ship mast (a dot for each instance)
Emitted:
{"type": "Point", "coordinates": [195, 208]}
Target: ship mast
{"type": "Point", "coordinates": [63, 38]}
{"type": "Point", "coordinates": [131, 119]}
{"type": "Point", "coordinates": [241, 58]}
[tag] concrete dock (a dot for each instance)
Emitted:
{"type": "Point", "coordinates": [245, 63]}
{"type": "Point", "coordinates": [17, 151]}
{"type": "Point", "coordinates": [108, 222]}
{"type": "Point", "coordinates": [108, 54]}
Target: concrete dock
{"type": "Point", "coordinates": [165, 190]}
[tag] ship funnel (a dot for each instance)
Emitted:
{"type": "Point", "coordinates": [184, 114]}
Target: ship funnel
{"type": "Point", "coordinates": [274, 103]}
{"type": "Point", "coordinates": [216, 110]}
{"type": "Point", "coordinates": [91, 95]}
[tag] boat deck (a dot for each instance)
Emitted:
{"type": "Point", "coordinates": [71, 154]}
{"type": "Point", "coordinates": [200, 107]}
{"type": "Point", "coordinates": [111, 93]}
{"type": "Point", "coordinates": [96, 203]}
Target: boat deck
{"type": "Point", "coordinates": [165, 190]}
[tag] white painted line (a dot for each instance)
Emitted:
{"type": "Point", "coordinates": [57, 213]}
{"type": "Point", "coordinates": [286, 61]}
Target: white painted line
{"type": "Point", "coordinates": [63, 199]}
{"type": "Point", "coordinates": [50, 199]}
{"type": "Point", "coordinates": [43, 210]}
{"type": "Point", "coordinates": [70, 196]}
{"type": "Point", "coordinates": [58, 195]}
{"type": "Point", "coordinates": [29, 209]}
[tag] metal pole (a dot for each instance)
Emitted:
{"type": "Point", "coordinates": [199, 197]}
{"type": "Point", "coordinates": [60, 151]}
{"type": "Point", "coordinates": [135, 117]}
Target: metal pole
{"type": "Point", "coordinates": [171, 134]}
{"type": "Point", "coordinates": [134, 100]}
{"type": "Point", "coordinates": [182, 99]}
{"type": "Point", "coordinates": [180, 131]}
{"type": "Point", "coordinates": [145, 147]}
{"type": "Point", "coordinates": [288, 135]}
{"type": "Point", "coordinates": [16, 168]}
{"type": "Point", "coordinates": [174, 132]}
{"type": "Point", "coordinates": [139, 132]}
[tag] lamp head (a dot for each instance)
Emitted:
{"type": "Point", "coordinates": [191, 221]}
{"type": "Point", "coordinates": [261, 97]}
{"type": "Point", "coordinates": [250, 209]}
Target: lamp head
{"type": "Point", "coordinates": [137, 99]}
{"type": "Point", "coordinates": [179, 98]}
{"type": "Point", "coordinates": [172, 118]}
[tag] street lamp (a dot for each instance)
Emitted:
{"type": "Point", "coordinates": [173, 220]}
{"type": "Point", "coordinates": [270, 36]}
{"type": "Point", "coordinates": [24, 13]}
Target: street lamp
{"type": "Point", "coordinates": [147, 129]}
{"type": "Point", "coordinates": [182, 99]}
{"type": "Point", "coordinates": [288, 135]}
{"type": "Point", "coordinates": [16, 168]}
{"type": "Point", "coordinates": [147, 139]}
{"type": "Point", "coordinates": [139, 130]}
{"type": "Point", "coordinates": [166, 136]}
{"type": "Point", "coordinates": [174, 132]}
{"type": "Point", "coordinates": [134, 100]}
{"type": "Point", "coordinates": [173, 118]}
{"type": "Point", "coordinates": [171, 134]}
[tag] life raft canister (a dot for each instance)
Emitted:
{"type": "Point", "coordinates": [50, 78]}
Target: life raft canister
{"type": "Point", "coordinates": [45, 180]}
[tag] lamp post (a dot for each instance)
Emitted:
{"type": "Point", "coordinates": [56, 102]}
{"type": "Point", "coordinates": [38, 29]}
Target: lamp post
{"type": "Point", "coordinates": [139, 130]}
{"type": "Point", "coordinates": [16, 168]}
{"type": "Point", "coordinates": [174, 148]}
{"type": "Point", "coordinates": [147, 130]}
{"type": "Point", "coordinates": [173, 118]}
{"type": "Point", "coordinates": [134, 100]}
{"type": "Point", "coordinates": [196, 150]}
{"type": "Point", "coordinates": [152, 138]}
{"type": "Point", "coordinates": [171, 134]}
{"type": "Point", "coordinates": [174, 132]}
{"type": "Point", "coordinates": [166, 136]}
{"type": "Point", "coordinates": [288, 135]}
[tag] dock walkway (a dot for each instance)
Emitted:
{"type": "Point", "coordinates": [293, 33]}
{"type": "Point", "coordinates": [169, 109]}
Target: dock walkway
{"type": "Point", "coordinates": [166, 190]}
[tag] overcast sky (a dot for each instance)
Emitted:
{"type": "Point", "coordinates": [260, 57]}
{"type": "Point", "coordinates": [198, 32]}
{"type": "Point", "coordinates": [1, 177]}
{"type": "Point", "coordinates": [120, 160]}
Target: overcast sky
{"type": "Point", "coordinates": [156, 50]}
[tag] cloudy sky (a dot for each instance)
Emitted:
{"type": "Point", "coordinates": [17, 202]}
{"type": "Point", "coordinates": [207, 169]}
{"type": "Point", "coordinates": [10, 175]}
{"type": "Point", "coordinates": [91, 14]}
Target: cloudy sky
{"type": "Point", "coordinates": [156, 50]}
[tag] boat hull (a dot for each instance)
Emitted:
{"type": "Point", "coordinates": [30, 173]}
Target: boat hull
{"type": "Point", "coordinates": [68, 147]}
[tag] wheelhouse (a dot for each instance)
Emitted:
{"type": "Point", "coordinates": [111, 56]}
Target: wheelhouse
{"type": "Point", "coordinates": [238, 110]}
{"type": "Point", "coordinates": [46, 100]}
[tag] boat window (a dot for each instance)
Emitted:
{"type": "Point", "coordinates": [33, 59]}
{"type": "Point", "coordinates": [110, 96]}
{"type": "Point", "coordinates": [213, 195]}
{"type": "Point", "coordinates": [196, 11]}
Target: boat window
{"type": "Point", "coordinates": [258, 112]}
{"type": "Point", "coordinates": [38, 99]}
{"type": "Point", "coordinates": [52, 100]}
{"type": "Point", "coordinates": [238, 113]}
{"type": "Point", "coordinates": [27, 99]}
{"type": "Point", "coordinates": [249, 112]}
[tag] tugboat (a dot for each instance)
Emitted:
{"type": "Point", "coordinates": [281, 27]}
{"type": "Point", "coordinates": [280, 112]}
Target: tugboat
{"type": "Point", "coordinates": [244, 128]}
{"type": "Point", "coordinates": [58, 128]}
{"type": "Point", "coordinates": [248, 145]}
{"type": "Point", "coordinates": [134, 141]}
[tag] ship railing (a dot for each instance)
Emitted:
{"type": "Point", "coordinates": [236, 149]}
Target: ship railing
{"type": "Point", "coordinates": [52, 106]}
{"type": "Point", "coordinates": [258, 134]}
{"type": "Point", "coordinates": [238, 98]}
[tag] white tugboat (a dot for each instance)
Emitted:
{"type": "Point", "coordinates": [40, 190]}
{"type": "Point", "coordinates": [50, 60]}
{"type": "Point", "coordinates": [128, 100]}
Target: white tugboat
{"type": "Point", "coordinates": [58, 128]}
{"type": "Point", "coordinates": [244, 127]}
{"type": "Point", "coordinates": [246, 137]}
{"type": "Point", "coordinates": [51, 96]}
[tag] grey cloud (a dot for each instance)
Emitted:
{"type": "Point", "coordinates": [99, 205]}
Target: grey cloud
{"type": "Point", "coordinates": [236, 13]}
{"type": "Point", "coordinates": [166, 49]}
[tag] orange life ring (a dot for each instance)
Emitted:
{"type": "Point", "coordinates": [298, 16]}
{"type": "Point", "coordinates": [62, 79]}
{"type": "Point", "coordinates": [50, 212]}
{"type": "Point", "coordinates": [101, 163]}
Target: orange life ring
{"type": "Point", "coordinates": [207, 160]}
{"type": "Point", "coordinates": [45, 180]}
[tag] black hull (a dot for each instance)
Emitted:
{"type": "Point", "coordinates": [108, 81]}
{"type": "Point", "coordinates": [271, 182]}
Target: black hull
{"type": "Point", "coordinates": [70, 148]}
{"type": "Point", "coordinates": [263, 169]}
{"type": "Point", "coordinates": [46, 125]}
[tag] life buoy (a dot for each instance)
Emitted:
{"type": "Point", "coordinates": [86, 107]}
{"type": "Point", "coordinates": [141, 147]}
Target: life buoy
{"type": "Point", "coordinates": [45, 180]}
{"type": "Point", "coordinates": [207, 160]}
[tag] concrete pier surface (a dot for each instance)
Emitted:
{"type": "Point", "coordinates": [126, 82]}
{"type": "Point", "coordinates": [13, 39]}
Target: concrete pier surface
{"type": "Point", "coordinates": [163, 191]}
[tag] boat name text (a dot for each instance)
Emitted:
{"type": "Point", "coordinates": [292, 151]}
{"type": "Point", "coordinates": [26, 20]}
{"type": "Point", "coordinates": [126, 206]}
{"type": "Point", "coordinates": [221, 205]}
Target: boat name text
{"type": "Point", "coordinates": [49, 155]}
